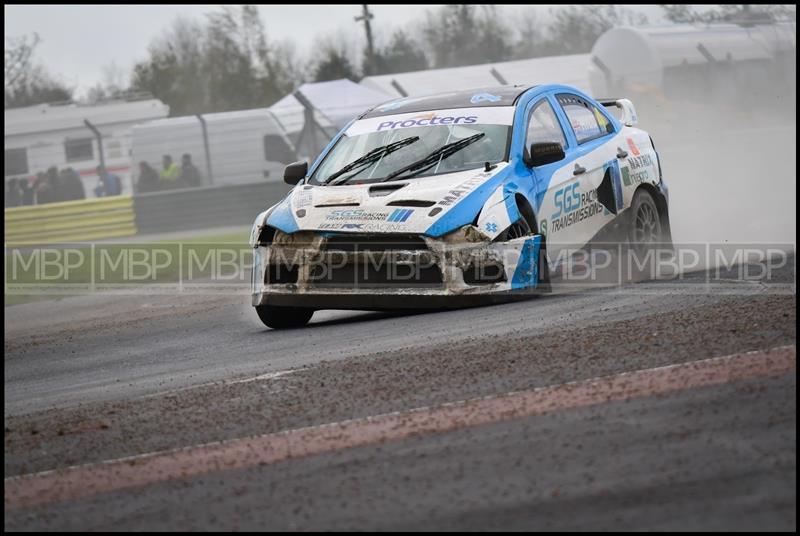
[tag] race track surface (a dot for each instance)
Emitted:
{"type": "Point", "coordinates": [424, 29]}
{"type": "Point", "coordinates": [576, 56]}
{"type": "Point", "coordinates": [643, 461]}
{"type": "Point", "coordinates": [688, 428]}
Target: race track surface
{"type": "Point", "coordinates": [647, 406]}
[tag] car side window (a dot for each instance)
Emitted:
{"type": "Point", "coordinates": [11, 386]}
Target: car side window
{"type": "Point", "coordinates": [586, 120]}
{"type": "Point", "coordinates": [544, 126]}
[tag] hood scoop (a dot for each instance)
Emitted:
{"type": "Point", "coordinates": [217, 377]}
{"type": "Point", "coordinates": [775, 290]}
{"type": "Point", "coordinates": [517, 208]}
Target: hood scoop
{"type": "Point", "coordinates": [335, 204]}
{"type": "Point", "coordinates": [411, 203]}
{"type": "Point", "coordinates": [385, 189]}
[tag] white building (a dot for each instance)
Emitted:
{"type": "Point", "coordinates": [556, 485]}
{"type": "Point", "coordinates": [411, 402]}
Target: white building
{"type": "Point", "coordinates": [38, 137]}
{"type": "Point", "coordinates": [572, 70]}
{"type": "Point", "coordinates": [664, 58]}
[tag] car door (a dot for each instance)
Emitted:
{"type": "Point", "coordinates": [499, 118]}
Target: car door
{"type": "Point", "coordinates": [577, 202]}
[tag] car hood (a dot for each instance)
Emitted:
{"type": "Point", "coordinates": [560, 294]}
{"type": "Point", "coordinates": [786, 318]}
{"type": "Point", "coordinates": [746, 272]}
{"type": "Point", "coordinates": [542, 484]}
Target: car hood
{"type": "Point", "coordinates": [427, 205]}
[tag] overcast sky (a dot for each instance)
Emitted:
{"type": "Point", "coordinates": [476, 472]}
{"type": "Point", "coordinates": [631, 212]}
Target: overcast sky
{"type": "Point", "coordinates": [79, 41]}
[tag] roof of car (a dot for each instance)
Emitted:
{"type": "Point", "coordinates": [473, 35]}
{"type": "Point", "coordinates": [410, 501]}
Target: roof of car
{"type": "Point", "coordinates": [489, 96]}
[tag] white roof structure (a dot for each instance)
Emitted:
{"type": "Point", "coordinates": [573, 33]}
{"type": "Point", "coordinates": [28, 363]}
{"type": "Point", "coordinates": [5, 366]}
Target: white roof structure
{"type": "Point", "coordinates": [641, 55]}
{"type": "Point", "coordinates": [570, 69]}
{"type": "Point", "coordinates": [50, 117]}
{"type": "Point", "coordinates": [335, 102]}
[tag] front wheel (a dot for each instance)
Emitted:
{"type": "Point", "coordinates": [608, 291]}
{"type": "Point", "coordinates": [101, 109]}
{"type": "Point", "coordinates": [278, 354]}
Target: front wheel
{"type": "Point", "coordinates": [277, 317]}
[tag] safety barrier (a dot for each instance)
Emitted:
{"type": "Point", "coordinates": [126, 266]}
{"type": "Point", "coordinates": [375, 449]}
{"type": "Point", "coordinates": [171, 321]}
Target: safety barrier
{"type": "Point", "coordinates": [70, 221]}
{"type": "Point", "coordinates": [157, 212]}
{"type": "Point", "coordinates": [205, 207]}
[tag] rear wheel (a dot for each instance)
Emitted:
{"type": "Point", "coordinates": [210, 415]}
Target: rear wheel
{"type": "Point", "coordinates": [646, 236]}
{"type": "Point", "coordinates": [277, 317]}
{"type": "Point", "coordinates": [645, 228]}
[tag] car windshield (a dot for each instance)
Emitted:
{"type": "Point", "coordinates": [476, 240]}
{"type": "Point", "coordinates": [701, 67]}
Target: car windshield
{"type": "Point", "coordinates": [376, 134]}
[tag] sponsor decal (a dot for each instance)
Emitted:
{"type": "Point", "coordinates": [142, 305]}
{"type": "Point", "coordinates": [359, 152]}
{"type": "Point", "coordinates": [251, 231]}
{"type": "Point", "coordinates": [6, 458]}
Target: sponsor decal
{"type": "Point", "coordinates": [637, 170]}
{"type": "Point", "coordinates": [637, 177]}
{"type": "Point", "coordinates": [357, 215]}
{"type": "Point", "coordinates": [543, 227]}
{"type": "Point", "coordinates": [487, 97]}
{"type": "Point", "coordinates": [373, 227]}
{"type": "Point", "coordinates": [491, 227]}
{"type": "Point", "coordinates": [351, 226]}
{"type": "Point", "coordinates": [429, 119]}
{"type": "Point", "coordinates": [638, 162]}
{"type": "Point", "coordinates": [400, 215]}
{"type": "Point", "coordinates": [487, 115]}
{"type": "Point", "coordinates": [632, 146]}
{"type": "Point", "coordinates": [462, 189]}
{"type": "Point", "coordinates": [574, 206]}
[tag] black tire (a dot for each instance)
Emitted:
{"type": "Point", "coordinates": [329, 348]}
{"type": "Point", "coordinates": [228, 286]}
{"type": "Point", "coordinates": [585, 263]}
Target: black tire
{"type": "Point", "coordinates": [646, 236]}
{"type": "Point", "coordinates": [645, 229]}
{"type": "Point", "coordinates": [276, 317]}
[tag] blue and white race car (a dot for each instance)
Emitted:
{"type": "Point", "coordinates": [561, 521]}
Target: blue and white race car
{"type": "Point", "coordinates": [455, 199]}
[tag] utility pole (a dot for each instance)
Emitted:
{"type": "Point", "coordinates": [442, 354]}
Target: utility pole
{"type": "Point", "coordinates": [366, 17]}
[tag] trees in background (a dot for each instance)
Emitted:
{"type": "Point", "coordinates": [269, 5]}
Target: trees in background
{"type": "Point", "coordinates": [742, 13]}
{"type": "Point", "coordinates": [227, 63]}
{"type": "Point", "coordinates": [402, 53]}
{"type": "Point", "coordinates": [465, 35]}
{"type": "Point", "coordinates": [26, 82]}
{"type": "Point", "coordinates": [331, 59]}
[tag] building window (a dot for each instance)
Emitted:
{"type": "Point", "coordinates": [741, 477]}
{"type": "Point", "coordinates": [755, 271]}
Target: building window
{"type": "Point", "coordinates": [16, 162]}
{"type": "Point", "coordinates": [79, 150]}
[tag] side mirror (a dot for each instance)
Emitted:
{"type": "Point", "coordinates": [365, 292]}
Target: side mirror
{"type": "Point", "coordinates": [546, 152]}
{"type": "Point", "coordinates": [294, 173]}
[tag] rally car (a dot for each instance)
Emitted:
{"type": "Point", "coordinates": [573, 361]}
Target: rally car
{"type": "Point", "coordinates": [455, 199]}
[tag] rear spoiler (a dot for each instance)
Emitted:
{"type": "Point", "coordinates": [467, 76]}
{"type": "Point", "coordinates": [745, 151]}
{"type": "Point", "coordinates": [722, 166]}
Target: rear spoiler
{"type": "Point", "coordinates": [629, 117]}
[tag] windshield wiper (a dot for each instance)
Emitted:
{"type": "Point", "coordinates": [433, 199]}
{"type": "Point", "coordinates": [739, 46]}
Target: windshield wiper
{"type": "Point", "coordinates": [432, 159]}
{"type": "Point", "coordinates": [371, 157]}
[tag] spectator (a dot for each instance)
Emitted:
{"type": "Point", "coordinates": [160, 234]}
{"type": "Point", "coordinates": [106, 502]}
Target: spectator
{"type": "Point", "coordinates": [72, 184]}
{"type": "Point", "coordinates": [170, 174]}
{"type": "Point", "coordinates": [190, 175]}
{"type": "Point", "coordinates": [13, 193]}
{"type": "Point", "coordinates": [57, 192]}
{"type": "Point", "coordinates": [108, 185]}
{"type": "Point", "coordinates": [148, 178]}
{"type": "Point", "coordinates": [43, 191]}
{"type": "Point", "coordinates": [27, 192]}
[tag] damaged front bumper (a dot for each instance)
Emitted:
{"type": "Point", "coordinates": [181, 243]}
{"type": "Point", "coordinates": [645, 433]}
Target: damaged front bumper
{"type": "Point", "coordinates": [350, 271]}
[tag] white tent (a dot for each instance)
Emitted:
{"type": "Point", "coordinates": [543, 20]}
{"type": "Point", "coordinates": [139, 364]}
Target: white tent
{"type": "Point", "coordinates": [335, 103]}
{"type": "Point", "coordinates": [570, 69]}
{"type": "Point", "coordinates": [643, 56]}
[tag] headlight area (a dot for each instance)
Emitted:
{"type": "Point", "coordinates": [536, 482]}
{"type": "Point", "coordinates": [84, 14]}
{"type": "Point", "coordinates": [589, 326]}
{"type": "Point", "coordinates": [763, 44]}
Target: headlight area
{"type": "Point", "coordinates": [462, 261]}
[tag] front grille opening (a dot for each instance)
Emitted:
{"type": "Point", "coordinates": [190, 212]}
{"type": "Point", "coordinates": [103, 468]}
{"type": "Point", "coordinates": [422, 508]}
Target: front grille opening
{"type": "Point", "coordinates": [376, 243]}
{"type": "Point", "coordinates": [484, 274]}
{"type": "Point", "coordinates": [277, 274]}
{"type": "Point", "coordinates": [266, 235]}
{"type": "Point", "coordinates": [371, 275]}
